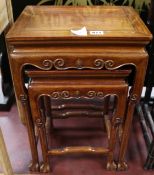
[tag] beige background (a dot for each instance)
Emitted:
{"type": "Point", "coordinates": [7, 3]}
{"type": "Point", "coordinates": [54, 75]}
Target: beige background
{"type": "Point", "coordinates": [6, 16]}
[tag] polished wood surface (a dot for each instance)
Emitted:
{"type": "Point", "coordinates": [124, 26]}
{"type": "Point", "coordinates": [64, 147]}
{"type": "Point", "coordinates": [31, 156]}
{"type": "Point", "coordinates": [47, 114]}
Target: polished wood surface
{"type": "Point", "coordinates": [34, 44]}
{"type": "Point", "coordinates": [64, 88]}
{"type": "Point", "coordinates": [79, 149]}
{"type": "Point", "coordinates": [55, 23]}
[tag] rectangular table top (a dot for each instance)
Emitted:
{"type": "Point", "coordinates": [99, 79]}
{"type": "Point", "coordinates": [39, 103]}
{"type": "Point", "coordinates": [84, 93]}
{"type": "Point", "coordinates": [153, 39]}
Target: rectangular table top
{"type": "Point", "coordinates": [115, 23]}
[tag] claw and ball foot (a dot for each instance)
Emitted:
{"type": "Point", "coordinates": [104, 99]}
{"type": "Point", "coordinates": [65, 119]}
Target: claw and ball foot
{"type": "Point", "coordinates": [34, 167]}
{"type": "Point", "coordinates": [111, 166]}
{"type": "Point", "coordinates": [45, 168]}
{"type": "Point", "coordinates": [122, 166]}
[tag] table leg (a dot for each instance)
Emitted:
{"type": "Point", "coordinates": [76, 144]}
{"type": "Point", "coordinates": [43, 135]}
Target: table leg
{"type": "Point", "coordinates": [24, 109]}
{"type": "Point", "coordinates": [134, 97]}
{"type": "Point", "coordinates": [122, 165]}
{"type": "Point", "coordinates": [111, 165]}
{"type": "Point", "coordinates": [34, 166]}
{"type": "Point", "coordinates": [116, 123]}
{"type": "Point", "coordinates": [40, 122]}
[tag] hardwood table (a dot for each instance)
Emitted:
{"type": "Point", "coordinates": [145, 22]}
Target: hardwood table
{"type": "Point", "coordinates": [46, 38]}
{"type": "Point", "coordinates": [71, 85]}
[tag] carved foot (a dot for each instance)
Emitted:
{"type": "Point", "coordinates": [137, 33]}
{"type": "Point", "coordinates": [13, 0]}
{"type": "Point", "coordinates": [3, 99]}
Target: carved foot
{"type": "Point", "coordinates": [45, 168]}
{"type": "Point", "coordinates": [34, 167]}
{"type": "Point", "coordinates": [122, 166]}
{"type": "Point", "coordinates": [111, 166]}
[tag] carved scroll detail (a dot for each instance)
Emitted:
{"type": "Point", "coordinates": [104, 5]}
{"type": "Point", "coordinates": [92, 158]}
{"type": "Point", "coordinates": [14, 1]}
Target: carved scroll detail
{"type": "Point", "coordinates": [48, 64]}
{"type": "Point", "coordinates": [93, 94]}
{"type": "Point", "coordinates": [76, 95]}
{"type": "Point", "coordinates": [109, 64]}
{"type": "Point", "coordinates": [59, 64]}
{"type": "Point", "coordinates": [98, 64]}
{"type": "Point", "coordinates": [63, 95]}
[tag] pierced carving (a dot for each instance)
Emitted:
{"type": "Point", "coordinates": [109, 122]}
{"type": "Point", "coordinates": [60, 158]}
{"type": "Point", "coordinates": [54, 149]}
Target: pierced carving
{"type": "Point", "coordinates": [93, 94]}
{"type": "Point", "coordinates": [76, 94]}
{"type": "Point", "coordinates": [99, 64]}
{"type": "Point", "coordinates": [39, 123]}
{"type": "Point", "coordinates": [59, 63]}
{"type": "Point", "coordinates": [48, 64]}
{"type": "Point", "coordinates": [23, 98]}
{"type": "Point", "coordinates": [109, 64]}
{"type": "Point", "coordinates": [65, 94]}
{"type": "Point", "coordinates": [100, 95]}
{"type": "Point", "coordinates": [55, 95]}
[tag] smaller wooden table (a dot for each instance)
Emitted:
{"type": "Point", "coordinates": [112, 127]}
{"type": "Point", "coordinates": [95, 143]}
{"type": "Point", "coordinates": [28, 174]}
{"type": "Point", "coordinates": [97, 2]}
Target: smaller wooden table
{"type": "Point", "coordinates": [72, 85]}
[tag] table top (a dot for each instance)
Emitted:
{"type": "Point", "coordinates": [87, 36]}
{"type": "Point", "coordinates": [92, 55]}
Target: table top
{"type": "Point", "coordinates": [50, 23]}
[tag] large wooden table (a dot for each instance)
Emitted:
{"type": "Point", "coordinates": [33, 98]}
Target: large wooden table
{"type": "Point", "coordinates": [42, 39]}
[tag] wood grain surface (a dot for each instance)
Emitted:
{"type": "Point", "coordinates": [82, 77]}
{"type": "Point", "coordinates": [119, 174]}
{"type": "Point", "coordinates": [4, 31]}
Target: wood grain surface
{"type": "Point", "coordinates": [37, 23]}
